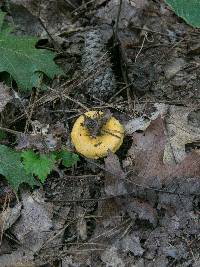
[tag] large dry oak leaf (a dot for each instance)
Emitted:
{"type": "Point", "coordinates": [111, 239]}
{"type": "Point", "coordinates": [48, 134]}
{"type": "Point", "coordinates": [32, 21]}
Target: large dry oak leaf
{"type": "Point", "coordinates": [147, 152]}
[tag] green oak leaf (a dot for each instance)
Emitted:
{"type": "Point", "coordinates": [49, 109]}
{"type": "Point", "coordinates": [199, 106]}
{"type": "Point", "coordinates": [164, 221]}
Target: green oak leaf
{"type": "Point", "coordinates": [188, 10]}
{"type": "Point", "coordinates": [25, 63]}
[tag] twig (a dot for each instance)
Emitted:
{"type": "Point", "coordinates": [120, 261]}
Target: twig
{"type": "Point", "coordinates": [131, 194]}
{"type": "Point", "coordinates": [5, 206]}
{"type": "Point", "coordinates": [118, 92]}
{"type": "Point", "coordinates": [56, 235]}
{"type": "Point", "coordinates": [148, 30]}
{"type": "Point", "coordinates": [114, 107]}
{"type": "Point", "coordinates": [170, 49]}
{"type": "Point", "coordinates": [31, 107]}
{"type": "Point", "coordinates": [117, 21]}
{"type": "Point", "coordinates": [81, 7]}
{"type": "Point", "coordinates": [112, 231]}
{"type": "Point", "coordinates": [10, 131]}
{"type": "Point", "coordinates": [140, 50]}
{"type": "Point", "coordinates": [73, 100]}
{"type": "Point", "coordinates": [57, 47]}
{"type": "Point", "coordinates": [71, 4]}
{"type": "Point", "coordinates": [86, 176]}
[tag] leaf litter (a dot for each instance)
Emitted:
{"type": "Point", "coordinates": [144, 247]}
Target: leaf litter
{"type": "Point", "coordinates": [140, 206]}
{"type": "Point", "coordinates": [5, 96]}
{"type": "Point", "coordinates": [148, 152]}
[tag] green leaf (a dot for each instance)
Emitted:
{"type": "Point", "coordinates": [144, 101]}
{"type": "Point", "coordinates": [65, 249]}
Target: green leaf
{"type": "Point", "coordinates": [12, 168]}
{"type": "Point", "coordinates": [68, 158]}
{"type": "Point", "coordinates": [22, 60]}
{"type": "Point", "coordinates": [4, 27]}
{"type": "Point", "coordinates": [189, 10]}
{"type": "Point", "coordinates": [2, 16]}
{"type": "Point", "coordinates": [2, 135]}
{"type": "Point", "coordinates": [39, 165]}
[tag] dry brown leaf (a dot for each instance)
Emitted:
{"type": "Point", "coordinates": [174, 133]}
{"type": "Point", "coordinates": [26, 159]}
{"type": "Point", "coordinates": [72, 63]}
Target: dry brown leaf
{"type": "Point", "coordinates": [131, 11]}
{"type": "Point", "coordinates": [111, 257]}
{"type": "Point", "coordinates": [141, 123]}
{"type": "Point", "coordinates": [6, 193]}
{"type": "Point", "coordinates": [43, 137]}
{"type": "Point", "coordinates": [147, 153]}
{"type": "Point", "coordinates": [115, 185]}
{"type": "Point", "coordinates": [173, 67]}
{"type": "Point", "coordinates": [131, 243]}
{"type": "Point", "coordinates": [30, 141]}
{"type": "Point", "coordinates": [54, 14]}
{"type": "Point", "coordinates": [114, 180]}
{"type": "Point", "coordinates": [5, 96]}
{"type": "Point", "coordinates": [9, 216]}
{"type": "Point", "coordinates": [81, 225]}
{"type": "Point", "coordinates": [17, 258]}
{"type": "Point", "coordinates": [110, 213]}
{"type": "Point", "coordinates": [143, 209]}
{"type": "Point", "coordinates": [33, 227]}
{"type": "Point", "coordinates": [182, 125]}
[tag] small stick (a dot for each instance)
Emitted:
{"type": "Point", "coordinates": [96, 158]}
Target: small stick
{"type": "Point", "coordinates": [10, 131]}
{"type": "Point", "coordinates": [57, 47]}
{"type": "Point", "coordinates": [117, 21]}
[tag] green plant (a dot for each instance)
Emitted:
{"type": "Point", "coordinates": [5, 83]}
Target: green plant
{"type": "Point", "coordinates": [67, 158]}
{"type": "Point", "coordinates": [2, 135]}
{"type": "Point", "coordinates": [41, 165]}
{"type": "Point", "coordinates": [12, 168]}
{"type": "Point", "coordinates": [38, 164]}
{"type": "Point", "coordinates": [22, 167]}
{"type": "Point", "coordinates": [22, 60]}
{"type": "Point", "coordinates": [188, 10]}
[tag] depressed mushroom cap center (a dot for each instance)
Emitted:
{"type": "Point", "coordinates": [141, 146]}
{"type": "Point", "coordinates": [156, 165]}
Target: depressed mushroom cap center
{"type": "Point", "coordinates": [94, 147]}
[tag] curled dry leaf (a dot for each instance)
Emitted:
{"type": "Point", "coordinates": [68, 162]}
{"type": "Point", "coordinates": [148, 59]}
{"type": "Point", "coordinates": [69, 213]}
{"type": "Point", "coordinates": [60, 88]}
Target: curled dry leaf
{"type": "Point", "coordinates": [5, 96]}
{"type": "Point", "coordinates": [141, 123]}
{"type": "Point", "coordinates": [147, 152]}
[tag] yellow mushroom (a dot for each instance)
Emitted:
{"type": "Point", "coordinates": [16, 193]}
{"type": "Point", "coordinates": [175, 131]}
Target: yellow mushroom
{"type": "Point", "coordinates": [110, 137]}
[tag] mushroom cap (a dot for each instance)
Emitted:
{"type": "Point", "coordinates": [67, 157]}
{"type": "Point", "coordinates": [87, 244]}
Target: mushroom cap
{"type": "Point", "coordinates": [111, 138]}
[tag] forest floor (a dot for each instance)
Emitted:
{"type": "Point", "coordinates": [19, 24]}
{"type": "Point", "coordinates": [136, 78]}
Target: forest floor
{"type": "Point", "coordinates": [139, 207]}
